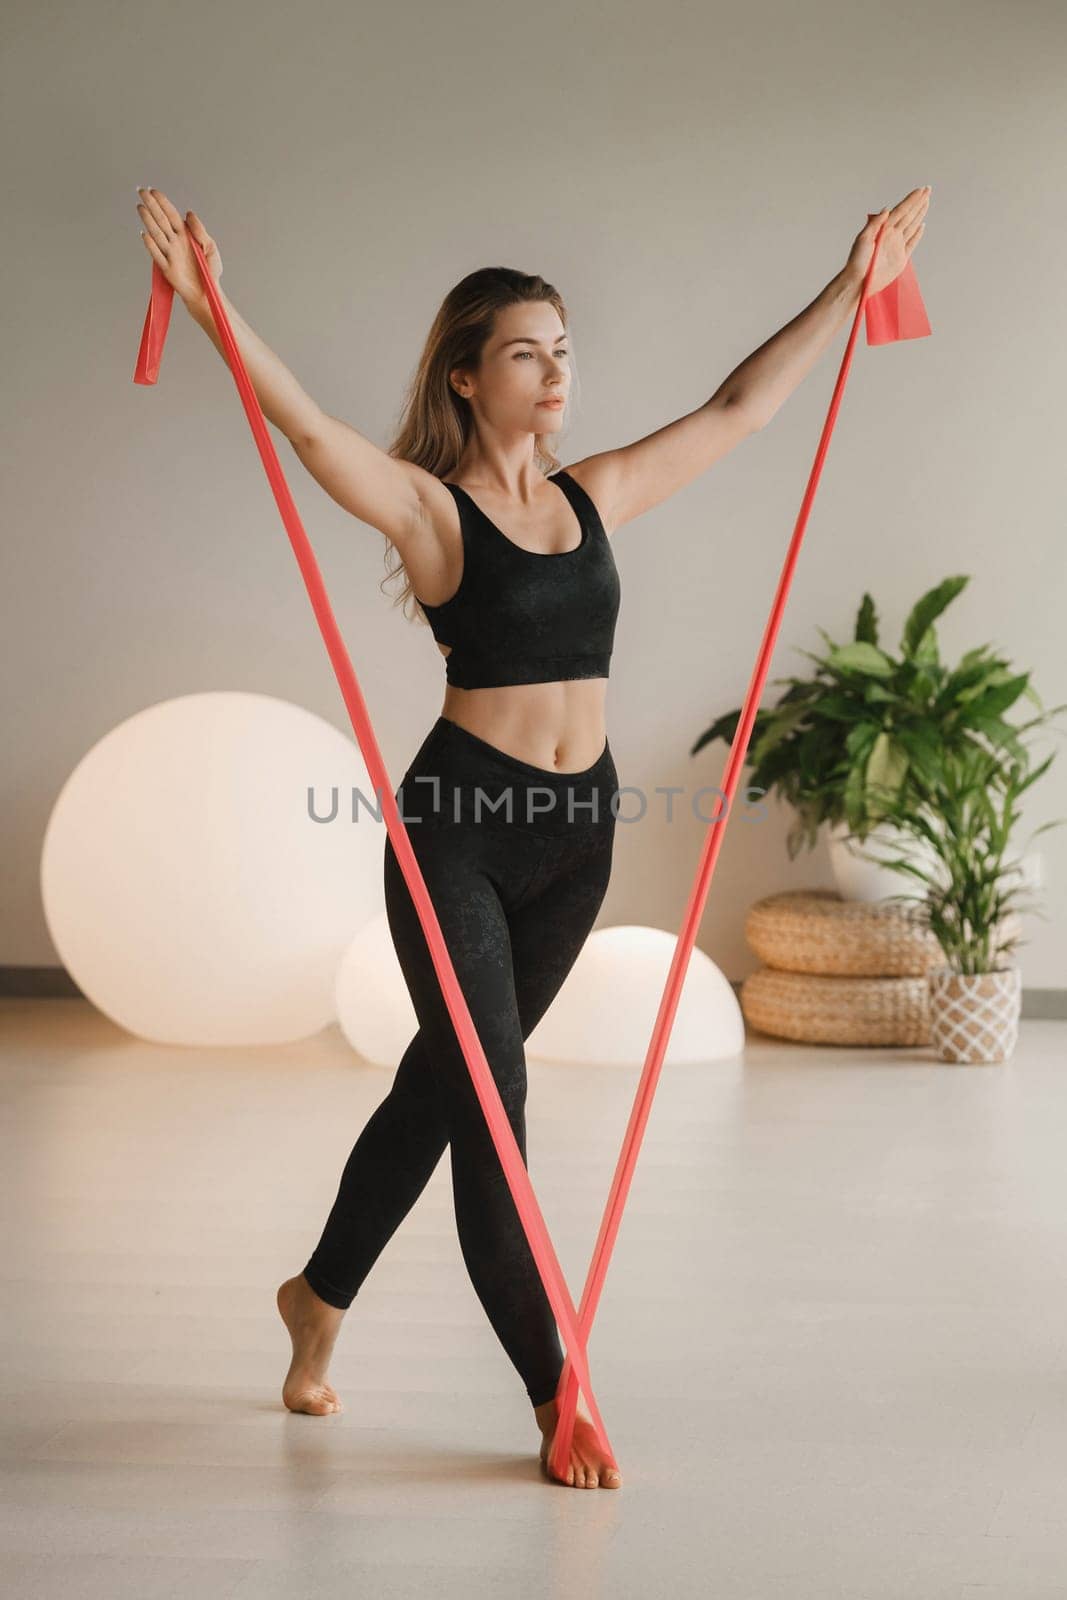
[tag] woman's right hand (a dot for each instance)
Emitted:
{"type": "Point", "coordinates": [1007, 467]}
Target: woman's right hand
{"type": "Point", "coordinates": [166, 238]}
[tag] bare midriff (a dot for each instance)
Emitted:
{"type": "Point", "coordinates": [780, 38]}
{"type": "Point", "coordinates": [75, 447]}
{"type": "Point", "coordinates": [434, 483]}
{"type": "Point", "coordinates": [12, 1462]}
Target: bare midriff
{"type": "Point", "coordinates": [558, 726]}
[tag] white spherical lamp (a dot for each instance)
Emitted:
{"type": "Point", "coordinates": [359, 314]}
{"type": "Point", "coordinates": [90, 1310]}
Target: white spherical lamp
{"type": "Point", "coordinates": [205, 866]}
{"type": "Point", "coordinates": [374, 1009]}
{"type": "Point", "coordinates": [607, 1007]}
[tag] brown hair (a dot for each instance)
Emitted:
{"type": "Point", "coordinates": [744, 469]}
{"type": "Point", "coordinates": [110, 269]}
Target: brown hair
{"type": "Point", "coordinates": [435, 421]}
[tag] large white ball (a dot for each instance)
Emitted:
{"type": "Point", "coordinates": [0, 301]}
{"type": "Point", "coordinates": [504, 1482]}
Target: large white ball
{"type": "Point", "coordinates": [187, 886]}
{"type": "Point", "coordinates": [607, 1007]}
{"type": "Point", "coordinates": [374, 1008]}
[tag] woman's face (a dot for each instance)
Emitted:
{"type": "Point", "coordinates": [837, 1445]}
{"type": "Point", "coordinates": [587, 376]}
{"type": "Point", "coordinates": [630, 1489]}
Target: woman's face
{"type": "Point", "coordinates": [524, 362]}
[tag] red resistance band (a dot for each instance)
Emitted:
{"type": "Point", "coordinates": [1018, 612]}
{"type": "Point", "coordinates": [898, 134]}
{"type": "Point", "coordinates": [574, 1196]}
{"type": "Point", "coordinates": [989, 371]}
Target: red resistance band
{"type": "Point", "coordinates": [896, 312]}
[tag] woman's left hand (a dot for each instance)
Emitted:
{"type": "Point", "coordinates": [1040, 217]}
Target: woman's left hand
{"type": "Point", "coordinates": [903, 228]}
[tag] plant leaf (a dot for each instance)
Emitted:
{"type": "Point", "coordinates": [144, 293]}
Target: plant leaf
{"type": "Point", "coordinates": [867, 621]}
{"type": "Point", "coordinates": [887, 767]}
{"type": "Point", "coordinates": [859, 656]}
{"type": "Point", "coordinates": [925, 651]}
{"type": "Point", "coordinates": [1003, 693]}
{"type": "Point", "coordinates": [927, 609]}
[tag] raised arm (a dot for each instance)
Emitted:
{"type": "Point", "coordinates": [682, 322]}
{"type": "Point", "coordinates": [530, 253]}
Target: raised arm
{"type": "Point", "coordinates": [396, 497]}
{"type": "Point", "coordinates": [625, 482]}
{"type": "Point", "coordinates": [354, 471]}
{"type": "Point", "coordinates": [367, 481]}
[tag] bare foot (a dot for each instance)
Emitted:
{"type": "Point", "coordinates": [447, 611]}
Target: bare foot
{"type": "Point", "coordinates": [590, 1467]}
{"type": "Point", "coordinates": [313, 1327]}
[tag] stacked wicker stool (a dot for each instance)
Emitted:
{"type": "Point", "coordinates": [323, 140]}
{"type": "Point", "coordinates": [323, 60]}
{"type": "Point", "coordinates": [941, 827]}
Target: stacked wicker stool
{"type": "Point", "coordinates": [839, 971]}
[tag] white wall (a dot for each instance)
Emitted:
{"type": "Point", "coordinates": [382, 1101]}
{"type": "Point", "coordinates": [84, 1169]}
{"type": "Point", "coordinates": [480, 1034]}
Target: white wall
{"type": "Point", "coordinates": [689, 176]}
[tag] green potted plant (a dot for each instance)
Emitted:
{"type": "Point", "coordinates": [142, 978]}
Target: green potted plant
{"type": "Point", "coordinates": [848, 745]}
{"type": "Point", "coordinates": [964, 811]}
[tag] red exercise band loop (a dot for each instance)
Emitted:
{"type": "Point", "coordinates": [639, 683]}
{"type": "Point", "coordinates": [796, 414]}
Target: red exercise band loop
{"type": "Point", "coordinates": [895, 313]}
{"type": "Point", "coordinates": [146, 372]}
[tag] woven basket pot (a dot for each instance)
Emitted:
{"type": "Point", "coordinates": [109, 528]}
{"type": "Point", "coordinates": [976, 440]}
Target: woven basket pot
{"type": "Point", "coordinates": [974, 1016]}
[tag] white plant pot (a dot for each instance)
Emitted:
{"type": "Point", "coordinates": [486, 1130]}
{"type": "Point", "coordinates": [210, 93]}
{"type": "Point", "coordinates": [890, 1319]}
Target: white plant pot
{"type": "Point", "coordinates": [858, 877]}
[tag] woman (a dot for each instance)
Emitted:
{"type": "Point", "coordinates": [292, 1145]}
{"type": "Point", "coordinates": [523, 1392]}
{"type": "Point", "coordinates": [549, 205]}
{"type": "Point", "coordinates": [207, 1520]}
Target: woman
{"type": "Point", "coordinates": [508, 800]}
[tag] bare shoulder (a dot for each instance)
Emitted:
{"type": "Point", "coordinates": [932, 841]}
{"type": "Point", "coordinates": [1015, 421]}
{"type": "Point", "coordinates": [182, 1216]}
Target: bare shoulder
{"type": "Point", "coordinates": [625, 482]}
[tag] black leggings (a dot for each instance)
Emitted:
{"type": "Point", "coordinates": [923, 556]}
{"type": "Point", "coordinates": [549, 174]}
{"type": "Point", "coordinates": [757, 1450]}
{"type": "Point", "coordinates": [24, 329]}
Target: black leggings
{"type": "Point", "coordinates": [516, 860]}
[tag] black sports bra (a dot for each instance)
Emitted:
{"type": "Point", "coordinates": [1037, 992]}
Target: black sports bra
{"type": "Point", "coordinates": [523, 617]}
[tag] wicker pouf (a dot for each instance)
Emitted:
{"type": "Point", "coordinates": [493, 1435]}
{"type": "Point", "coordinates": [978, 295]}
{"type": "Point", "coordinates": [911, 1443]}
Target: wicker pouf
{"type": "Point", "coordinates": [842, 971]}
{"type": "Point", "coordinates": [815, 930]}
{"type": "Point", "coordinates": [832, 1010]}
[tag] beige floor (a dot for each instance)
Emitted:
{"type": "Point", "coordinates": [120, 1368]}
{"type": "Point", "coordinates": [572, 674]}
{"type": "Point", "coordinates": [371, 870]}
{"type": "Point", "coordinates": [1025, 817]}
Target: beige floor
{"type": "Point", "coordinates": [831, 1353]}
